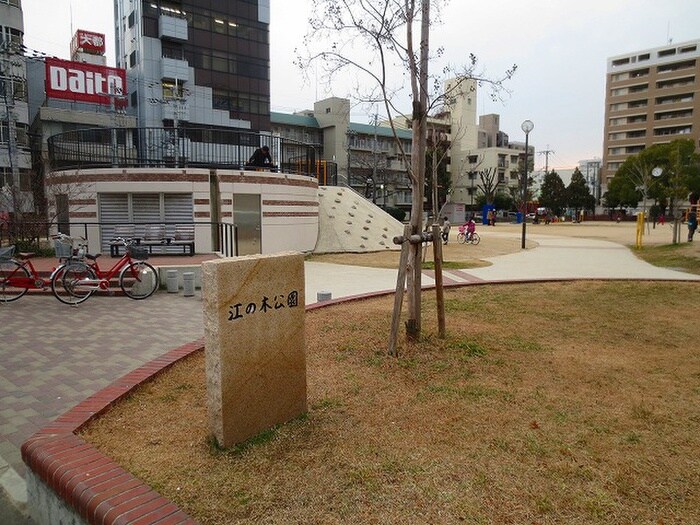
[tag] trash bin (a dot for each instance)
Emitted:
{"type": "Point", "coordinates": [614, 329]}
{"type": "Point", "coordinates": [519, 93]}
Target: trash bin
{"type": "Point", "coordinates": [519, 217]}
{"type": "Point", "coordinates": [188, 283]}
{"type": "Point", "coordinates": [171, 278]}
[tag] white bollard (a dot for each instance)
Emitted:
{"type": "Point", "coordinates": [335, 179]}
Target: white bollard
{"type": "Point", "coordinates": [188, 283]}
{"type": "Point", "coordinates": [171, 280]}
{"type": "Point", "coordinates": [323, 296]}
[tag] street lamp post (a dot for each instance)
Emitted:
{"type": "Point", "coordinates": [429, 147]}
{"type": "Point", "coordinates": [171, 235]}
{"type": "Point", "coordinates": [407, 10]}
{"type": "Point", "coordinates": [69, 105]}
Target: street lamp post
{"type": "Point", "coordinates": [527, 126]}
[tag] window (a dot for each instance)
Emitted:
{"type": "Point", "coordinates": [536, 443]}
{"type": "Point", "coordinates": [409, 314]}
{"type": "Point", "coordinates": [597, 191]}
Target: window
{"type": "Point", "coordinates": [667, 52]}
{"type": "Point", "coordinates": [25, 181]}
{"type": "Point", "coordinates": [676, 82]}
{"type": "Point", "coordinates": [620, 62]}
{"type": "Point", "coordinates": [132, 59]}
{"type": "Point", "coordinates": [637, 73]}
{"type": "Point", "coordinates": [674, 99]}
{"type": "Point", "coordinates": [674, 130]}
{"type": "Point", "coordinates": [676, 66]}
{"type": "Point", "coordinates": [683, 113]}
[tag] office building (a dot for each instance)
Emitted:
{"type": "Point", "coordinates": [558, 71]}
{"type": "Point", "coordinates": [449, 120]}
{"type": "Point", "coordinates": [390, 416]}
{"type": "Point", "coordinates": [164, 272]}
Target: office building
{"type": "Point", "coordinates": [196, 63]}
{"type": "Point", "coordinates": [15, 156]}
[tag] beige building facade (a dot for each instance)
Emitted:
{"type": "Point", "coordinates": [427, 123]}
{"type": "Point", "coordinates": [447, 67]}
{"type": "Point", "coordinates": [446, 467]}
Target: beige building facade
{"type": "Point", "coordinates": [651, 97]}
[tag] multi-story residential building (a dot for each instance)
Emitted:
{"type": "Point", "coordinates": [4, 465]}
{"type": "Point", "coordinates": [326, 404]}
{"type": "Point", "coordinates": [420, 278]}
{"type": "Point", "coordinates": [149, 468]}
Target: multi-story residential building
{"type": "Point", "coordinates": [651, 97]}
{"type": "Point", "coordinates": [15, 156]}
{"type": "Point", "coordinates": [367, 155]}
{"type": "Point", "coordinates": [203, 63]}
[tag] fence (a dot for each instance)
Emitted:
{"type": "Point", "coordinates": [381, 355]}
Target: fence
{"type": "Point", "coordinates": [185, 147]}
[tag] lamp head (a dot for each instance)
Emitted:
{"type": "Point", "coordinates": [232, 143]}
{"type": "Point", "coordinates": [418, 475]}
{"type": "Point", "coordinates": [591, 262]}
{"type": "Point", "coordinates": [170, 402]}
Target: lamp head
{"type": "Point", "coordinates": [527, 126]}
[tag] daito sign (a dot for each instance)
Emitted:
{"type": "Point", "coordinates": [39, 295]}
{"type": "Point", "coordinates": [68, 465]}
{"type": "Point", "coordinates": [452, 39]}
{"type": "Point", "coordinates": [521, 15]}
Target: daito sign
{"type": "Point", "coordinates": [82, 82]}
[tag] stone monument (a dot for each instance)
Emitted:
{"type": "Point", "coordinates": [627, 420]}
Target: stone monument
{"type": "Point", "coordinates": [255, 346]}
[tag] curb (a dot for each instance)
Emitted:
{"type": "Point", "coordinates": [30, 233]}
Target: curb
{"type": "Point", "coordinates": [96, 488]}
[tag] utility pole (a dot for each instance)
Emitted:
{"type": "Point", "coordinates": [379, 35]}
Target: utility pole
{"type": "Point", "coordinates": [374, 162]}
{"type": "Point", "coordinates": [546, 154]}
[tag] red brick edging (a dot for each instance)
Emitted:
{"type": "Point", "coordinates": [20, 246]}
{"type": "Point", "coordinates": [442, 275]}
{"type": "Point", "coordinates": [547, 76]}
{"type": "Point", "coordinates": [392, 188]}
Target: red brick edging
{"type": "Point", "coordinates": [90, 482]}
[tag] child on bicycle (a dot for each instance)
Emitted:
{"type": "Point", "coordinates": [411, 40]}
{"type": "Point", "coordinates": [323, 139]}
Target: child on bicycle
{"type": "Point", "coordinates": [468, 228]}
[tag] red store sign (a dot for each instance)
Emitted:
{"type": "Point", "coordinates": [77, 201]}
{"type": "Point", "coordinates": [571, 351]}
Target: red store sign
{"type": "Point", "coordinates": [88, 42]}
{"type": "Point", "coordinates": [82, 82]}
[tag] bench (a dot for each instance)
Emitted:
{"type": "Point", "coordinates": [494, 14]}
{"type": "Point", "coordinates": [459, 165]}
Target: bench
{"type": "Point", "coordinates": [125, 232]}
{"type": "Point", "coordinates": [183, 236]}
{"type": "Point", "coordinates": [153, 235]}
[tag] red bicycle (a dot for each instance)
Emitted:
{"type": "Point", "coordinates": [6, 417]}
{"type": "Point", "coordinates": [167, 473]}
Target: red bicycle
{"type": "Point", "coordinates": [18, 275]}
{"type": "Point", "coordinates": [80, 278]}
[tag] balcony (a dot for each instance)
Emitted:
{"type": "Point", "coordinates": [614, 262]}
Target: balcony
{"type": "Point", "coordinates": [172, 27]}
{"type": "Point", "coordinates": [175, 69]}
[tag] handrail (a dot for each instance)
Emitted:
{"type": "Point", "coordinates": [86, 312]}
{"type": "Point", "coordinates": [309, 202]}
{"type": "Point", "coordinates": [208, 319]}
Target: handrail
{"type": "Point", "coordinates": [210, 148]}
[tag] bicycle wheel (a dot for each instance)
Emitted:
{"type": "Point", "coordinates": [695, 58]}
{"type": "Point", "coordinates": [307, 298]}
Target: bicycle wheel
{"type": "Point", "coordinates": [139, 280]}
{"type": "Point", "coordinates": [475, 238]}
{"type": "Point", "coordinates": [9, 271]}
{"type": "Point", "coordinates": [461, 238]}
{"type": "Point", "coordinates": [65, 283]}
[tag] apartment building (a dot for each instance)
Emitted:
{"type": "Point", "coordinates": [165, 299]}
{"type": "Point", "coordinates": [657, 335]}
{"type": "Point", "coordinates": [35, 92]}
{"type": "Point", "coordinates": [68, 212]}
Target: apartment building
{"type": "Point", "coordinates": [367, 156]}
{"type": "Point", "coordinates": [651, 98]}
{"type": "Point", "coordinates": [15, 156]}
{"type": "Point", "coordinates": [195, 62]}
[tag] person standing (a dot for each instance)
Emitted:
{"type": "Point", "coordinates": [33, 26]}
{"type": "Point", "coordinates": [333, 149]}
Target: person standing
{"type": "Point", "coordinates": [445, 230]}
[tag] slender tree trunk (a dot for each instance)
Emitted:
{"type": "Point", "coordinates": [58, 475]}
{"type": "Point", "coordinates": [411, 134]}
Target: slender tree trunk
{"type": "Point", "coordinates": [419, 129]}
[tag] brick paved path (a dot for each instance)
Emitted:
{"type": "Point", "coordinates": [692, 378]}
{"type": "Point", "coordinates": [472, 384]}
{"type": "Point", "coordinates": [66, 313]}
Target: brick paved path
{"type": "Point", "coordinates": [80, 351]}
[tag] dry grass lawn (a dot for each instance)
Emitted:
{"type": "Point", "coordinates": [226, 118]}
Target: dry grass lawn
{"type": "Point", "coordinates": [574, 403]}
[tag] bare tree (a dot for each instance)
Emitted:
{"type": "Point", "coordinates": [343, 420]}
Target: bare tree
{"type": "Point", "coordinates": [489, 183]}
{"type": "Point", "coordinates": [371, 38]}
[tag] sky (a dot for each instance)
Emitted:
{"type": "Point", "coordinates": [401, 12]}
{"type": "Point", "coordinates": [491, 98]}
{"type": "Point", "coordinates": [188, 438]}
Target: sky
{"type": "Point", "coordinates": [560, 47]}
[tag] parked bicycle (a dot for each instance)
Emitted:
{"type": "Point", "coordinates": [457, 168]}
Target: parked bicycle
{"type": "Point", "coordinates": [18, 274]}
{"type": "Point", "coordinates": [81, 278]}
{"type": "Point", "coordinates": [464, 237]}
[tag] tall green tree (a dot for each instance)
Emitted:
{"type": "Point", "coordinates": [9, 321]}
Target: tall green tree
{"type": "Point", "coordinates": [578, 195]}
{"type": "Point", "coordinates": [553, 193]}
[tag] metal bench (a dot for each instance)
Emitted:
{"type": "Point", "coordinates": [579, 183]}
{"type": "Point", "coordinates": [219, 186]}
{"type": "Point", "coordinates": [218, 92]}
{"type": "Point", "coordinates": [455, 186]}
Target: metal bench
{"type": "Point", "coordinates": [123, 231]}
{"type": "Point", "coordinates": [183, 236]}
{"type": "Point", "coordinates": [153, 235]}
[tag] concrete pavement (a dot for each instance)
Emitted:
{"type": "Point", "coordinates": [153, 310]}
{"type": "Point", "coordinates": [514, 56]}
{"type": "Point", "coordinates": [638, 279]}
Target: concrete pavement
{"type": "Point", "coordinates": [53, 356]}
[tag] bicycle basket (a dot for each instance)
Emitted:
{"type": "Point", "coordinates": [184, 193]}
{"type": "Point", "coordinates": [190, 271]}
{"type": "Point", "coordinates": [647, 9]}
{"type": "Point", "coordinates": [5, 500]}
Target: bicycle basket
{"type": "Point", "coordinates": [63, 249]}
{"type": "Point", "coordinates": [138, 252]}
{"type": "Point", "coordinates": [7, 253]}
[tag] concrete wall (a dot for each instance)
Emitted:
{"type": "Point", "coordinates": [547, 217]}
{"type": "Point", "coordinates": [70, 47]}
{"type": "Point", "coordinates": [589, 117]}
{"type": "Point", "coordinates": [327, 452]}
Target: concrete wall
{"type": "Point", "coordinates": [289, 202]}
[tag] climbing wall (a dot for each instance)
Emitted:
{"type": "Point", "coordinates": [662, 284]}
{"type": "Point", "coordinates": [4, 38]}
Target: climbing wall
{"type": "Point", "coordinates": [350, 223]}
